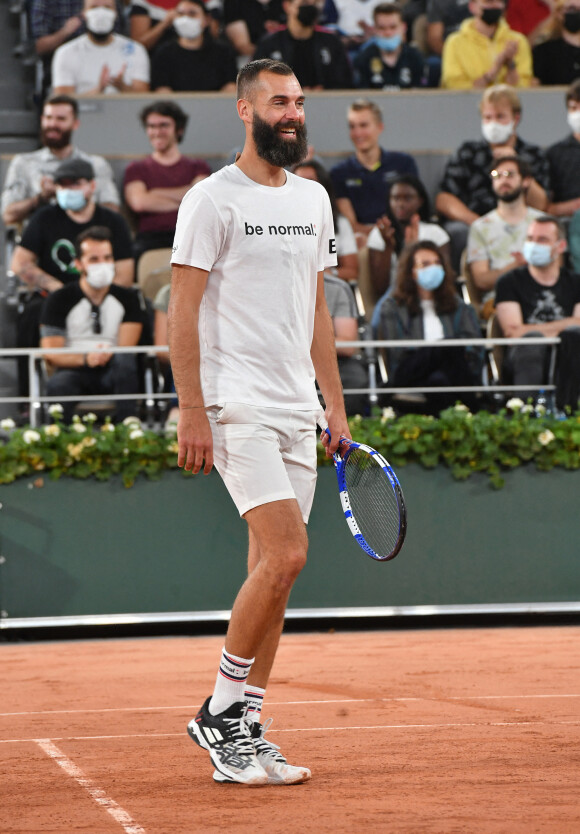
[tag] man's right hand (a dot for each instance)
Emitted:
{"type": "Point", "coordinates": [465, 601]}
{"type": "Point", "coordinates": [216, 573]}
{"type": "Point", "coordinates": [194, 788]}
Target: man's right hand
{"type": "Point", "coordinates": [195, 441]}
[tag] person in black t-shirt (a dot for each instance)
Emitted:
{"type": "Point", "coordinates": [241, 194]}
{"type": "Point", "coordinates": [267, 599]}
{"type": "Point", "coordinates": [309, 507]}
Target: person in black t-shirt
{"type": "Point", "coordinates": [246, 21]}
{"type": "Point", "coordinates": [387, 62]}
{"type": "Point", "coordinates": [557, 61]}
{"type": "Point", "coordinates": [318, 58]}
{"type": "Point", "coordinates": [542, 299]}
{"type": "Point", "coordinates": [88, 314]}
{"type": "Point", "coordinates": [564, 160]}
{"type": "Point", "coordinates": [195, 61]}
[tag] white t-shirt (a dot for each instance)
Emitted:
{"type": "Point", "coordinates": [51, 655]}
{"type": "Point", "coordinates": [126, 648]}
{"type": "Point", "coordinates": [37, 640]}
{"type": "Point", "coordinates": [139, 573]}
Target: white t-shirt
{"type": "Point", "coordinates": [79, 63]}
{"type": "Point", "coordinates": [263, 248]}
{"type": "Point", "coordinates": [345, 239]}
{"type": "Point", "coordinates": [432, 326]}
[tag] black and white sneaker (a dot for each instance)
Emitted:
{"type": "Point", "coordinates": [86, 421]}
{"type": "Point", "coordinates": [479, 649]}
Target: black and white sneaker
{"type": "Point", "coordinates": [228, 739]}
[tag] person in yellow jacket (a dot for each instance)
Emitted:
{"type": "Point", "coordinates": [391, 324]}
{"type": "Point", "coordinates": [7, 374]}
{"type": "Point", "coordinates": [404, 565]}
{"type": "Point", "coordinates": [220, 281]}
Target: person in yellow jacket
{"type": "Point", "coordinates": [486, 51]}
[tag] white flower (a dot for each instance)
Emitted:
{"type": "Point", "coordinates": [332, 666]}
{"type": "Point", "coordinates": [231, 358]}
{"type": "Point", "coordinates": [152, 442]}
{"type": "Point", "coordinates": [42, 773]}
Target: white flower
{"type": "Point", "coordinates": [107, 427]}
{"type": "Point", "coordinates": [55, 410]}
{"type": "Point", "coordinates": [78, 427]}
{"type": "Point", "coordinates": [52, 431]}
{"type": "Point", "coordinates": [546, 437]}
{"type": "Point", "coordinates": [388, 414]}
{"type": "Point", "coordinates": [90, 417]}
{"type": "Point", "coordinates": [76, 418]}
{"type": "Point", "coordinates": [89, 441]}
{"type": "Point", "coordinates": [31, 436]}
{"type": "Point", "coordinates": [460, 407]}
{"type": "Point", "coordinates": [131, 420]}
{"type": "Point", "coordinates": [135, 434]}
{"type": "Point", "coordinates": [7, 424]}
{"type": "Point", "coordinates": [515, 404]}
{"type": "Point", "coordinates": [528, 408]}
{"type": "Point", "coordinates": [540, 409]}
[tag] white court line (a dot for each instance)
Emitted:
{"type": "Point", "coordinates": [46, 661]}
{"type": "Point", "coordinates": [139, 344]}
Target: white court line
{"type": "Point", "coordinates": [289, 703]}
{"type": "Point", "coordinates": [99, 796]}
{"type": "Point", "coordinates": [321, 730]}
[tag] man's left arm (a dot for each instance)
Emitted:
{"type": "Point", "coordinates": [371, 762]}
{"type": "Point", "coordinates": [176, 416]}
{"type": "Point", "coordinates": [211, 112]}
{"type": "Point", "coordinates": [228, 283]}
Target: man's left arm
{"type": "Point", "coordinates": [323, 354]}
{"type": "Point", "coordinates": [129, 333]}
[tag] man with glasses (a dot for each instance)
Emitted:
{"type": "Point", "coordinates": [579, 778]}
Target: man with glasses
{"type": "Point", "coordinates": [90, 314]}
{"type": "Point", "coordinates": [155, 186]}
{"type": "Point", "coordinates": [496, 240]}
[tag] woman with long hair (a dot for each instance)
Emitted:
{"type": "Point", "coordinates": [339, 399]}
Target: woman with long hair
{"type": "Point", "coordinates": [424, 305]}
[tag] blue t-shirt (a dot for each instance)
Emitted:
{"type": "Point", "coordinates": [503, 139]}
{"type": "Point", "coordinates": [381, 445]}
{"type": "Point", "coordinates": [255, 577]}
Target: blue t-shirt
{"type": "Point", "coordinates": [368, 190]}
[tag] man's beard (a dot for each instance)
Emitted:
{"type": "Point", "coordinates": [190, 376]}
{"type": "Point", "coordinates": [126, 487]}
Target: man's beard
{"type": "Point", "coordinates": [510, 196]}
{"type": "Point", "coordinates": [54, 142]}
{"type": "Point", "coordinates": [276, 150]}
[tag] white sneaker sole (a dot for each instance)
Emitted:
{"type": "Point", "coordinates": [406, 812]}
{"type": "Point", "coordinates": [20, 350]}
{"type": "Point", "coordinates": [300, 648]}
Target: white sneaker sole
{"type": "Point", "coordinates": [297, 779]}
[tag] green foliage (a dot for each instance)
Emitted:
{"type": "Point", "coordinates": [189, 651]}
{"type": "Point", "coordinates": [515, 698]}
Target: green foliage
{"type": "Point", "coordinates": [464, 442]}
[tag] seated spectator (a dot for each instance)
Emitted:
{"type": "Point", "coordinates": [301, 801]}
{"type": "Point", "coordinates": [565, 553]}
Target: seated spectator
{"type": "Point", "coordinates": [352, 19]}
{"type": "Point", "coordinates": [30, 183]}
{"type": "Point", "coordinates": [530, 17]}
{"type": "Point", "coordinates": [466, 191]}
{"type": "Point", "coordinates": [91, 313]}
{"type": "Point", "coordinates": [425, 305]}
{"type": "Point", "coordinates": [155, 186]}
{"type": "Point", "coordinates": [486, 51]}
{"type": "Point", "coordinates": [405, 221]}
{"type": "Point", "coordinates": [195, 61]}
{"type": "Point", "coordinates": [557, 60]}
{"type": "Point", "coordinates": [52, 23]}
{"type": "Point", "coordinates": [496, 240]}
{"type": "Point", "coordinates": [100, 61]}
{"type": "Point", "coordinates": [318, 58]}
{"type": "Point", "coordinates": [387, 62]}
{"type": "Point", "coordinates": [362, 181]}
{"type": "Point", "coordinates": [247, 21]}
{"type": "Point", "coordinates": [443, 18]}
{"type": "Point", "coordinates": [542, 298]}
{"type": "Point", "coordinates": [346, 248]}
{"type": "Point", "coordinates": [151, 22]}
{"type": "Point", "coordinates": [564, 161]}
{"type": "Point", "coordinates": [45, 258]}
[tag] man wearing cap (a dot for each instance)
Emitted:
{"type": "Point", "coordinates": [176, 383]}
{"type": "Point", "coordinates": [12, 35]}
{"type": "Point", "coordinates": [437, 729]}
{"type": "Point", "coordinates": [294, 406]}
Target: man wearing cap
{"type": "Point", "coordinates": [29, 182]}
{"type": "Point", "coordinates": [45, 258]}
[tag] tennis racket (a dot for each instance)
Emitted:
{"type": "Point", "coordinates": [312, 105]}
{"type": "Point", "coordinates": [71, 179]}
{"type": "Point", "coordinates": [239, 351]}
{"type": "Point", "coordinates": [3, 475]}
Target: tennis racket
{"type": "Point", "coordinates": [372, 499]}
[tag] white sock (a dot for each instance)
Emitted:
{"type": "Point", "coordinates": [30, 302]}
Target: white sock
{"type": "Point", "coordinates": [254, 696]}
{"type": "Point", "coordinates": [230, 682]}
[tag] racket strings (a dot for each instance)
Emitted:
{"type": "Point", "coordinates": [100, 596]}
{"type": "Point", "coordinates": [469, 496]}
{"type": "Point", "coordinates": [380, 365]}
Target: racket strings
{"type": "Point", "coordinates": [374, 502]}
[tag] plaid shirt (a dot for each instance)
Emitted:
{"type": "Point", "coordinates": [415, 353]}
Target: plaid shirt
{"type": "Point", "coordinates": [48, 16]}
{"type": "Point", "coordinates": [467, 173]}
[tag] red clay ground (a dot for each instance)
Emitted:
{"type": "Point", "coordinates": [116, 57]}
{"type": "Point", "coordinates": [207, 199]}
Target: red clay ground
{"type": "Point", "coordinates": [415, 732]}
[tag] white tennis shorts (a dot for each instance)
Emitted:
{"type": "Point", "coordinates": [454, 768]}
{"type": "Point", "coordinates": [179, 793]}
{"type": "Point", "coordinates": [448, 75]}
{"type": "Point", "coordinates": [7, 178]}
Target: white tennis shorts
{"type": "Point", "coordinates": [265, 454]}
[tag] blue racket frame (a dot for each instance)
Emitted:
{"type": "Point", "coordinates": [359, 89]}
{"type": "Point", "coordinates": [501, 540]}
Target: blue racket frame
{"type": "Point", "coordinates": [340, 460]}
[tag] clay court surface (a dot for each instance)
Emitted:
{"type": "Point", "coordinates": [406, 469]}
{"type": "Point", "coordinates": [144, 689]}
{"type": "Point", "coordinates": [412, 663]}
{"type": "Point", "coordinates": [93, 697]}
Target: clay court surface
{"type": "Point", "coordinates": [429, 731]}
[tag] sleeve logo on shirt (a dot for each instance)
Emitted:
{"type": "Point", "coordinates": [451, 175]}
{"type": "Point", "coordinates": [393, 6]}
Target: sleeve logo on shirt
{"type": "Point", "coordinates": [310, 229]}
{"type": "Point", "coordinates": [332, 246]}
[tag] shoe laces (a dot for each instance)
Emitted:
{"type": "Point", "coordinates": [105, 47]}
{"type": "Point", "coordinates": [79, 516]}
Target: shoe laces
{"type": "Point", "coordinates": [240, 733]}
{"type": "Point", "coordinates": [265, 746]}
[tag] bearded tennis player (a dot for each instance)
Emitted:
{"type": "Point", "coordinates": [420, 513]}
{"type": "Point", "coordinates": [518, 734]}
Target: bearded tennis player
{"type": "Point", "coordinates": [249, 332]}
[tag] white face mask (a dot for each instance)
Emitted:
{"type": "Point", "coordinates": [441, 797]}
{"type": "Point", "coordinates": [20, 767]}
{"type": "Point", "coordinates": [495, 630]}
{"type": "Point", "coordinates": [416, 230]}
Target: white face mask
{"type": "Point", "coordinates": [496, 133]}
{"type": "Point", "coordinates": [188, 27]}
{"type": "Point", "coordinates": [100, 20]}
{"type": "Point", "coordinates": [573, 119]}
{"type": "Point", "coordinates": [100, 275]}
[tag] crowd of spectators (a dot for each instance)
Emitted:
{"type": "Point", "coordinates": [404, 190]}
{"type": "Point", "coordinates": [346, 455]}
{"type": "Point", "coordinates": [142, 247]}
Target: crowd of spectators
{"type": "Point", "coordinates": [493, 190]}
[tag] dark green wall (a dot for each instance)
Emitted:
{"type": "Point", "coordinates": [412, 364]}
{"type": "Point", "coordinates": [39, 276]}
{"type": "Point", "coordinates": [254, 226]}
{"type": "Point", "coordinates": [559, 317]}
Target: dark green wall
{"type": "Point", "coordinates": [76, 548]}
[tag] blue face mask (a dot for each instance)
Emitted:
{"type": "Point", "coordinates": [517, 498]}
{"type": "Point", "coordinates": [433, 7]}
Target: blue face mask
{"type": "Point", "coordinates": [537, 254]}
{"type": "Point", "coordinates": [71, 199]}
{"type": "Point", "coordinates": [388, 44]}
{"type": "Point", "coordinates": [430, 277]}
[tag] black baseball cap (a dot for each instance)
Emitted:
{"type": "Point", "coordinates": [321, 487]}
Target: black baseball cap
{"type": "Point", "coordinates": [74, 169]}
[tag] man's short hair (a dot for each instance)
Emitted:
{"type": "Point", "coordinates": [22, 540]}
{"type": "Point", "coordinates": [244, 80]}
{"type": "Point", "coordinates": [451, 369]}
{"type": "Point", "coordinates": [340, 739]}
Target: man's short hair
{"type": "Point", "coordinates": [63, 99]}
{"type": "Point", "coordinates": [523, 165]}
{"type": "Point", "coordinates": [366, 104]}
{"type": "Point", "coordinates": [170, 110]}
{"type": "Point", "coordinates": [573, 91]}
{"type": "Point", "coordinates": [550, 218]}
{"type": "Point", "coordinates": [249, 73]}
{"type": "Point", "coordinates": [500, 94]}
{"type": "Point", "coordinates": [99, 233]}
{"type": "Point", "coordinates": [387, 8]}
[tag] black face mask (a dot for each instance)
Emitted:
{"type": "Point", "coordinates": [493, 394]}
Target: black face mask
{"type": "Point", "coordinates": [308, 15]}
{"type": "Point", "coordinates": [491, 16]}
{"type": "Point", "coordinates": [572, 22]}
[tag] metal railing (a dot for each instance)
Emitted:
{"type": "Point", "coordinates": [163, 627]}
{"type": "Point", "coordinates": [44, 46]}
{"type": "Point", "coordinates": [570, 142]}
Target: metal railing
{"type": "Point", "coordinates": [35, 399]}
